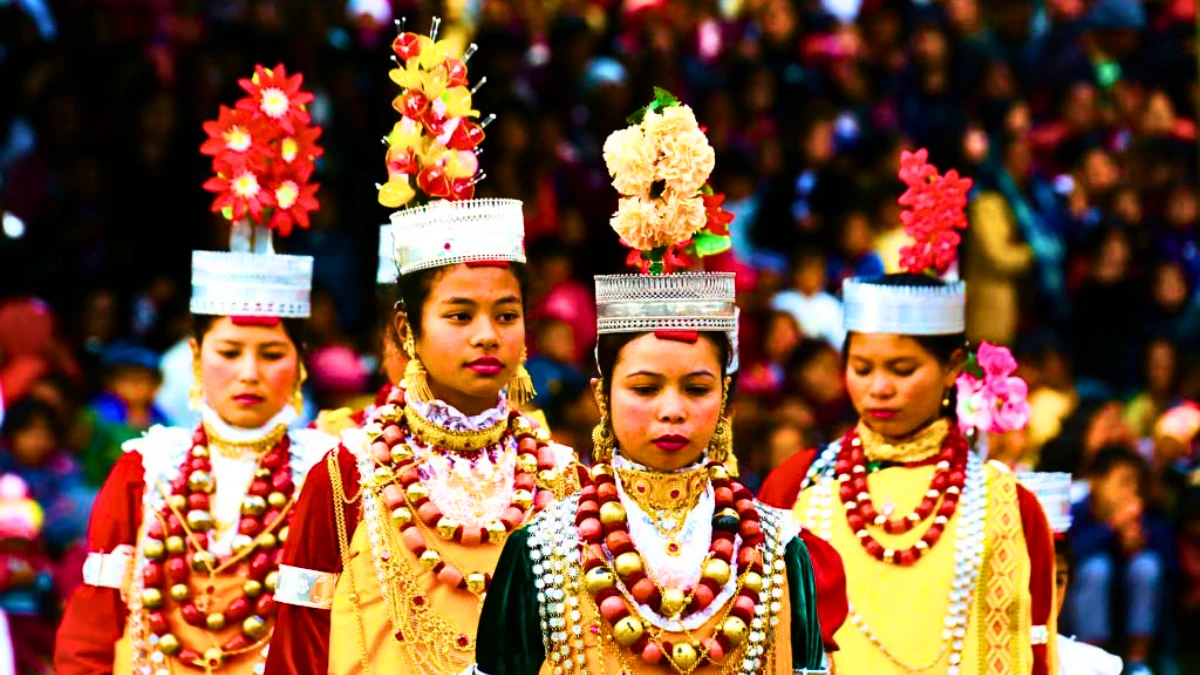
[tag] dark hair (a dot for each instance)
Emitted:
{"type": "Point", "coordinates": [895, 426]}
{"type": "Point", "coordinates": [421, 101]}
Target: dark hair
{"type": "Point", "coordinates": [943, 347]}
{"type": "Point", "coordinates": [294, 328]}
{"type": "Point", "coordinates": [1062, 547]}
{"type": "Point", "coordinates": [413, 289]}
{"type": "Point", "coordinates": [805, 255]}
{"type": "Point", "coordinates": [25, 413]}
{"type": "Point", "coordinates": [609, 346]}
{"type": "Point", "coordinates": [1112, 456]}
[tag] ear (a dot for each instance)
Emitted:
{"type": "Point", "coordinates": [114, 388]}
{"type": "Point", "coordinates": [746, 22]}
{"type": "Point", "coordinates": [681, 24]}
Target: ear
{"type": "Point", "coordinates": [954, 367]}
{"type": "Point", "coordinates": [195, 348]}
{"type": "Point", "coordinates": [400, 323]}
{"type": "Point", "coordinates": [598, 392]}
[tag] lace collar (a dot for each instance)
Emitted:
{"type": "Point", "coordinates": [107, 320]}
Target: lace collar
{"type": "Point", "coordinates": [450, 418]}
{"type": "Point", "coordinates": [240, 435]}
{"type": "Point", "coordinates": [918, 447]}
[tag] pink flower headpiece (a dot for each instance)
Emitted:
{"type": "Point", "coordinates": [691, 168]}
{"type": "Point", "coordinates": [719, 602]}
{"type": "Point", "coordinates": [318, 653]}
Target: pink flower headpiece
{"type": "Point", "coordinates": [990, 398]}
{"type": "Point", "coordinates": [264, 152]}
{"type": "Point", "coordinates": [935, 211]}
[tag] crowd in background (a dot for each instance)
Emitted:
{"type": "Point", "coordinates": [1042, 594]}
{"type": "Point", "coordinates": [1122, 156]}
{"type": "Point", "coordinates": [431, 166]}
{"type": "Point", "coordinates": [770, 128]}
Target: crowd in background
{"type": "Point", "coordinates": [1076, 119]}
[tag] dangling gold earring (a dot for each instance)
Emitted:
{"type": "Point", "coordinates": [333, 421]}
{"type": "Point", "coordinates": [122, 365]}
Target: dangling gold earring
{"type": "Point", "coordinates": [520, 387]}
{"type": "Point", "coordinates": [946, 400]}
{"type": "Point", "coordinates": [196, 392]}
{"type": "Point", "coordinates": [298, 392]}
{"type": "Point", "coordinates": [603, 439]}
{"type": "Point", "coordinates": [416, 378]}
{"type": "Point", "coordinates": [720, 446]}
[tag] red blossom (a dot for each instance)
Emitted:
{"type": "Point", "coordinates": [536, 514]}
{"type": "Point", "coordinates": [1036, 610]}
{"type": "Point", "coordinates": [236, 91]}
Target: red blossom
{"type": "Point", "coordinates": [718, 218]}
{"type": "Point", "coordinates": [236, 138]}
{"type": "Point", "coordinates": [275, 96]}
{"type": "Point", "coordinates": [239, 192]}
{"type": "Point", "coordinates": [636, 260]}
{"type": "Point", "coordinates": [936, 208]}
{"type": "Point", "coordinates": [294, 200]}
{"type": "Point", "coordinates": [676, 257]}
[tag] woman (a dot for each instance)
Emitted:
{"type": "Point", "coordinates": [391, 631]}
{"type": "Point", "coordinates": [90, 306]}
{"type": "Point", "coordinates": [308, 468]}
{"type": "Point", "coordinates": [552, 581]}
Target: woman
{"type": "Point", "coordinates": [665, 564]}
{"type": "Point", "coordinates": [184, 539]}
{"type": "Point", "coordinates": [949, 561]}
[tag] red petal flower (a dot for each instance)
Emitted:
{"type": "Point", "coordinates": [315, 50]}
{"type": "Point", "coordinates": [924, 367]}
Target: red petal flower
{"type": "Point", "coordinates": [935, 209]}
{"type": "Point", "coordinates": [407, 46]}
{"type": "Point", "coordinates": [240, 191]}
{"type": "Point", "coordinates": [236, 138]}
{"type": "Point", "coordinates": [676, 257]}
{"type": "Point", "coordinates": [293, 202]}
{"type": "Point", "coordinates": [277, 97]}
{"type": "Point", "coordinates": [718, 218]}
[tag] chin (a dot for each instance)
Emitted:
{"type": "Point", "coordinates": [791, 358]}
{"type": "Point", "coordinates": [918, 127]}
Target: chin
{"type": "Point", "coordinates": [246, 418]}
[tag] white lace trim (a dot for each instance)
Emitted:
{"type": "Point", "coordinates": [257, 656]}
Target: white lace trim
{"type": "Point", "coordinates": [227, 431]}
{"type": "Point", "coordinates": [473, 491]}
{"type": "Point", "coordinates": [681, 571]}
{"type": "Point", "coordinates": [450, 418]}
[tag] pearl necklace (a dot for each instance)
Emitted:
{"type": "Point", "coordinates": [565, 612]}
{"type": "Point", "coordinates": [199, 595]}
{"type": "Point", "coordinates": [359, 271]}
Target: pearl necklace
{"type": "Point", "coordinates": [968, 555]}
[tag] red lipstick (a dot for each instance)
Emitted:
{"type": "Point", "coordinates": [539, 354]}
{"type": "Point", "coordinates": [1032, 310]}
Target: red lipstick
{"type": "Point", "coordinates": [248, 399]}
{"type": "Point", "coordinates": [487, 365]}
{"type": "Point", "coordinates": [671, 443]}
{"type": "Point", "coordinates": [883, 413]}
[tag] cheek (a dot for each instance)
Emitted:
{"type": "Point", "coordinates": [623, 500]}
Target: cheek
{"type": "Point", "coordinates": [280, 375]}
{"type": "Point", "coordinates": [216, 373]}
{"type": "Point", "coordinates": [631, 415]}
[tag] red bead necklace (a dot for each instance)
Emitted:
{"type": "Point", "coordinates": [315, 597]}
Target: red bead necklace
{"type": "Point", "coordinates": [177, 544]}
{"type": "Point", "coordinates": [940, 501]}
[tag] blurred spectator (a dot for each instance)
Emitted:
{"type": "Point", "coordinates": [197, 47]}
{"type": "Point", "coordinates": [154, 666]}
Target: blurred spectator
{"type": "Point", "coordinates": [763, 375]}
{"type": "Point", "coordinates": [1104, 335]}
{"type": "Point", "coordinates": [124, 407]}
{"type": "Point", "coordinates": [815, 374]}
{"type": "Point", "coordinates": [1160, 387]}
{"type": "Point", "coordinates": [553, 368]}
{"type": "Point", "coordinates": [856, 255]}
{"type": "Point", "coordinates": [1076, 658]}
{"type": "Point", "coordinates": [818, 313]}
{"type": "Point", "coordinates": [1118, 545]}
{"type": "Point", "coordinates": [563, 298]}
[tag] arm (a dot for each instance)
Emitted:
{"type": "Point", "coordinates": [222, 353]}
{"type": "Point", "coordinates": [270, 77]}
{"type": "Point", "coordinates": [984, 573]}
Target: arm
{"type": "Point", "coordinates": [95, 616]}
{"type": "Point", "coordinates": [300, 642]}
{"type": "Point", "coordinates": [1039, 539]}
{"type": "Point", "coordinates": [807, 651]}
{"type": "Point", "coordinates": [993, 230]}
{"type": "Point", "coordinates": [509, 641]}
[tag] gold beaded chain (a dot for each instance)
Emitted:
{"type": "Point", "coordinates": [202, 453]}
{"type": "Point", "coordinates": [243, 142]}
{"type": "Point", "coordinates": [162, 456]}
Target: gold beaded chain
{"type": "Point", "coordinates": [240, 449]}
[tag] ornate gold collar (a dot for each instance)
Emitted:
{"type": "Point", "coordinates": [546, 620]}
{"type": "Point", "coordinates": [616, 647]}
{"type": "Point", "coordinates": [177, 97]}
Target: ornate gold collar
{"type": "Point", "coordinates": [666, 497]}
{"type": "Point", "coordinates": [240, 449]}
{"type": "Point", "coordinates": [435, 436]}
{"type": "Point", "coordinates": [918, 447]}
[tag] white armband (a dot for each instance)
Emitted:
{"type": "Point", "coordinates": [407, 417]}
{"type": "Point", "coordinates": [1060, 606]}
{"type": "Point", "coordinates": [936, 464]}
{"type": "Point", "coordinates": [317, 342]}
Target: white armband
{"type": "Point", "coordinates": [305, 588]}
{"type": "Point", "coordinates": [1039, 635]}
{"type": "Point", "coordinates": [110, 570]}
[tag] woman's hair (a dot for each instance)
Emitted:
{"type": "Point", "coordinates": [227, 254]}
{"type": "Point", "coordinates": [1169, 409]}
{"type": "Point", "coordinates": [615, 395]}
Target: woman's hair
{"type": "Point", "coordinates": [294, 328]}
{"type": "Point", "coordinates": [609, 347]}
{"type": "Point", "coordinates": [413, 289]}
{"type": "Point", "coordinates": [942, 347]}
{"type": "Point", "coordinates": [25, 414]}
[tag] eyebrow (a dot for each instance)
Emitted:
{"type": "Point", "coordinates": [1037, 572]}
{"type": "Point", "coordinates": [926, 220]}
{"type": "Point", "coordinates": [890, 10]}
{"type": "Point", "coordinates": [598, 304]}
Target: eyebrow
{"type": "Point", "coordinates": [694, 373]}
{"type": "Point", "coordinates": [468, 301]}
{"type": "Point", "coordinates": [225, 342]}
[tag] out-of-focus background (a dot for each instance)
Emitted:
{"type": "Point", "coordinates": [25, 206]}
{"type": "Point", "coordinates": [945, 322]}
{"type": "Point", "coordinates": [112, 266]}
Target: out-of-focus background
{"type": "Point", "coordinates": [1075, 118]}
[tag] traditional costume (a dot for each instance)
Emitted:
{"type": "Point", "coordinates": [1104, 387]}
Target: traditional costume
{"type": "Point", "coordinates": [185, 536]}
{"type": "Point", "coordinates": [949, 560]}
{"type": "Point", "coordinates": [400, 529]}
{"type": "Point", "coordinates": [648, 571]}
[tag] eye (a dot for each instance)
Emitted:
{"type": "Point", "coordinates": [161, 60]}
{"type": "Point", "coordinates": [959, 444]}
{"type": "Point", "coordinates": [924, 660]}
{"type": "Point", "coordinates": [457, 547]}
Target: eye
{"type": "Point", "coordinates": [862, 371]}
{"type": "Point", "coordinates": [229, 353]}
{"type": "Point", "coordinates": [510, 317]}
{"type": "Point", "coordinates": [699, 390]}
{"type": "Point", "coordinates": [273, 356]}
{"type": "Point", "coordinates": [459, 317]}
{"type": "Point", "coordinates": [904, 371]}
{"type": "Point", "coordinates": [644, 389]}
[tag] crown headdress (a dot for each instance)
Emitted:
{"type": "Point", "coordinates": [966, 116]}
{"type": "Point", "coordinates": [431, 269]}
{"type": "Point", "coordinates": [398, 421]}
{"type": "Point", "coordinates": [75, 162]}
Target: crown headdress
{"type": "Point", "coordinates": [432, 164]}
{"type": "Point", "coordinates": [264, 153]}
{"type": "Point", "coordinates": [668, 217]}
{"type": "Point", "coordinates": [933, 216]}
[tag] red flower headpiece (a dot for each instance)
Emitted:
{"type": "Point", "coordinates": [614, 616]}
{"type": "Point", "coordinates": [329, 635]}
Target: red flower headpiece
{"type": "Point", "coordinates": [264, 152]}
{"type": "Point", "coordinates": [936, 209]}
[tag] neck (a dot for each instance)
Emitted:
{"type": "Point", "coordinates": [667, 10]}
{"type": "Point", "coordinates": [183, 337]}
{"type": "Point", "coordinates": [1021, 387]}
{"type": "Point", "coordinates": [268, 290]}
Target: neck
{"type": "Point", "coordinates": [464, 403]}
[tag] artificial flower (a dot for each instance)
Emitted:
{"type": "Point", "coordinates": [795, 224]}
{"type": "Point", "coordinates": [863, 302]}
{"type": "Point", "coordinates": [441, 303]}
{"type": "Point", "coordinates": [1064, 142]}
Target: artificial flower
{"type": "Point", "coordinates": [274, 95]}
{"type": "Point", "coordinates": [638, 222]}
{"type": "Point", "coordinates": [717, 219]}
{"type": "Point", "coordinates": [679, 218]}
{"type": "Point", "coordinates": [676, 258]}
{"type": "Point", "coordinates": [975, 403]}
{"type": "Point", "coordinates": [686, 160]}
{"type": "Point", "coordinates": [630, 160]}
{"type": "Point", "coordinates": [294, 200]}
{"type": "Point", "coordinates": [935, 210]}
{"type": "Point", "coordinates": [995, 361]}
{"type": "Point", "coordinates": [397, 192]}
{"type": "Point", "coordinates": [239, 193]}
{"type": "Point", "coordinates": [232, 136]}
{"type": "Point", "coordinates": [997, 402]}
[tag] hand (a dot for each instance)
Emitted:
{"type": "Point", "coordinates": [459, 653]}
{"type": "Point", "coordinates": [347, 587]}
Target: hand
{"type": "Point", "coordinates": [1126, 514]}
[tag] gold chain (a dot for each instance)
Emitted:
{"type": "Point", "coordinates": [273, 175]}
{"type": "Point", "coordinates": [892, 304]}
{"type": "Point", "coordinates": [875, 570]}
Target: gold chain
{"type": "Point", "coordinates": [665, 496]}
{"type": "Point", "coordinates": [335, 481]}
{"type": "Point", "coordinates": [918, 447]}
{"type": "Point", "coordinates": [240, 449]}
{"type": "Point", "coordinates": [435, 436]}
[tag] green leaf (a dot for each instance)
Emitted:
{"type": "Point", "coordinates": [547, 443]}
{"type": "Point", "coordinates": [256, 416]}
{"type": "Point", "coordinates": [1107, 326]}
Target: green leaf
{"type": "Point", "coordinates": [664, 99]}
{"type": "Point", "coordinates": [708, 243]}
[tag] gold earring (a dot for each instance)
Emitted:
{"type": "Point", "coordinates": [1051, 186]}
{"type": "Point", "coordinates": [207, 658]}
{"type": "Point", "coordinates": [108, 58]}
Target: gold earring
{"type": "Point", "coordinates": [416, 378]}
{"type": "Point", "coordinates": [720, 446]}
{"type": "Point", "coordinates": [298, 392]}
{"type": "Point", "coordinates": [520, 387]}
{"type": "Point", "coordinates": [196, 392]}
{"type": "Point", "coordinates": [603, 439]}
{"type": "Point", "coordinates": [946, 400]}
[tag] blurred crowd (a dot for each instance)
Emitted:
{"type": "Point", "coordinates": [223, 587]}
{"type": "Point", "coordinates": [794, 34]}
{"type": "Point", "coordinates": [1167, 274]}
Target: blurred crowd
{"type": "Point", "coordinates": [1076, 119]}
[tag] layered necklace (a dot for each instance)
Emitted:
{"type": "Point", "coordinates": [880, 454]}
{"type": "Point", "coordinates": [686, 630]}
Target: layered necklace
{"type": "Point", "coordinates": [614, 570]}
{"type": "Point", "coordinates": [177, 545]}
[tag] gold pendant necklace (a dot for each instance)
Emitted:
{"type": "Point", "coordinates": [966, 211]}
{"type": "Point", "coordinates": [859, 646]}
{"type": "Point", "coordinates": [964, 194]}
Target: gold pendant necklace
{"type": "Point", "coordinates": [241, 449]}
{"type": "Point", "coordinates": [666, 497]}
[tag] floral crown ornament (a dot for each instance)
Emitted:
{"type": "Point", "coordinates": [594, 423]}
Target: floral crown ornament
{"type": "Point", "coordinates": [668, 212]}
{"type": "Point", "coordinates": [933, 215]}
{"type": "Point", "coordinates": [991, 399]}
{"type": "Point", "coordinates": [432, 150]}
{"type": "Point", "coordinates": [264, 152]}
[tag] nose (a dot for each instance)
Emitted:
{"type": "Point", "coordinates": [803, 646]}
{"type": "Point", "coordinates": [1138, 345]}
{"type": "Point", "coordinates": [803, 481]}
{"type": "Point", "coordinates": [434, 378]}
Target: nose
{"type": "Point", "coordinates": [670, 407]}
{"type": "Point", "coordinates": [247, 368]}
{"type": "Point", "coordinates": [486, 336]}
{"type": "Point", "coordinates": [881, 387]}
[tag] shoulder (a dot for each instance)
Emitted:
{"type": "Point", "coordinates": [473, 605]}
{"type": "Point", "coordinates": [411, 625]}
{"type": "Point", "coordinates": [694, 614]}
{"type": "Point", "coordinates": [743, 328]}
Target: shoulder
{"type": "Point", "coordinates": [782, 485]}
{"type": "Point", "coordinates": [309, 446]}
{"type": "Point", "coordinates": [161, 451]}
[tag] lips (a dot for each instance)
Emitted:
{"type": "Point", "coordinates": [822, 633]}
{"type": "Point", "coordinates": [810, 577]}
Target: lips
{"type": "Point", "coordinates": [487, 365]}
{"type": "Point", "coordinates": [671, 443]}
{"type": "Point", "coordinates": [248, 399]}
{"type": "Point", "coordinates": [883, 413]}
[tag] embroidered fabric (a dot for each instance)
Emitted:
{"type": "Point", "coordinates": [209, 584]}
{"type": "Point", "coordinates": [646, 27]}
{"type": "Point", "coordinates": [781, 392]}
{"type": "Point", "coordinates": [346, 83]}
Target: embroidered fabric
{"type": "Point", "coordinates": [680, 571]}
{"type": "Point", "coordinates": [239, 435]}
{"type": "Point", "coordinates": [448, 417]}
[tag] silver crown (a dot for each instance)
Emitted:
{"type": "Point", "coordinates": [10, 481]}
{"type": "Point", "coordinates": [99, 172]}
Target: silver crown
{"type": "Point", "coordinates": [1053, 492]}
{"type": "Point", "coordinates": [447, 233]}
{"type": "Point", "coordinates": [634, 303]}
{"type": "Point", "coordinates": [387, 272]}
{"type": "Point", "coordinates": [904, 310]}
{"type": "Point", "coordinates": [251, 279]}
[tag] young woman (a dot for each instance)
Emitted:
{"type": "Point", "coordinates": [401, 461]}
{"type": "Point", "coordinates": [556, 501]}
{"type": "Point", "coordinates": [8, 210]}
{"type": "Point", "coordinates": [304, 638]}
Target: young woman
{"type": "Point", "coordinates": [400, 529]}
{"type": "Point", "coordinates": [665, 564]}
{"type": "Point", "coordinates": [949, 561]}
{"type": "Point", "coordinates": [186, 534]}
